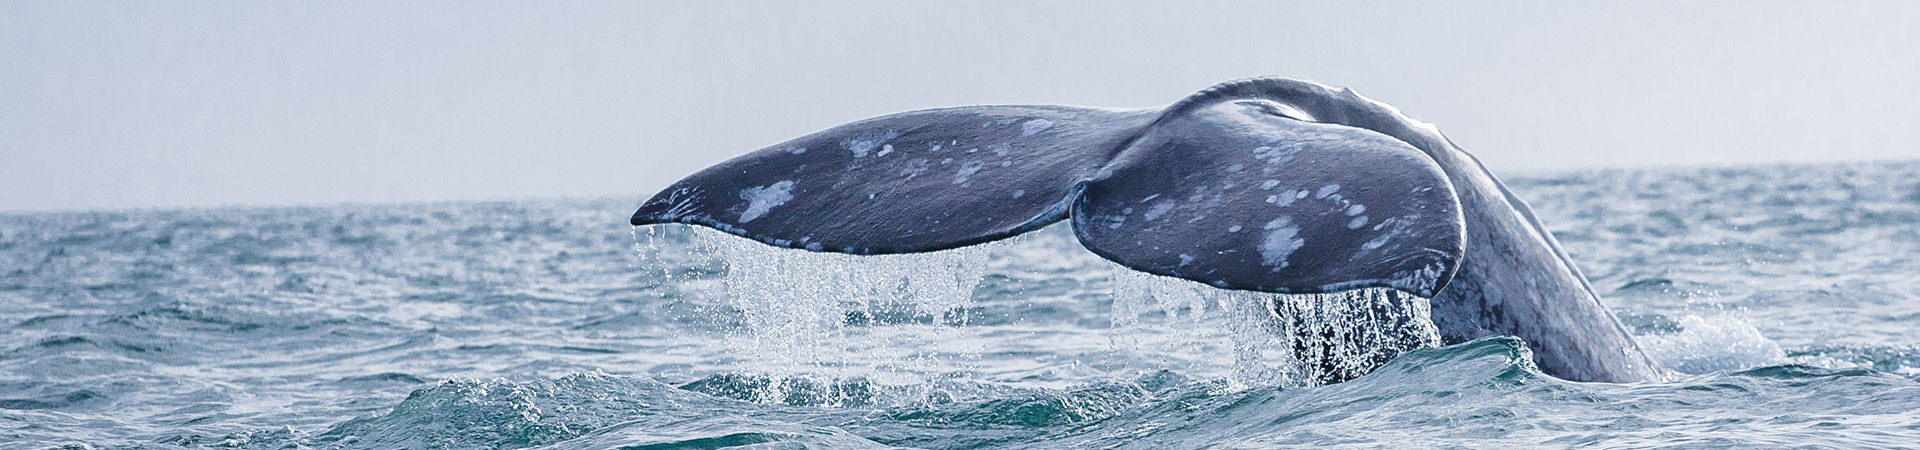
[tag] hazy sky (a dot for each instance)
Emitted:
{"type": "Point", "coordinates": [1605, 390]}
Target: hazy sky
{"type": "Point", "coordinates": [137, 104]}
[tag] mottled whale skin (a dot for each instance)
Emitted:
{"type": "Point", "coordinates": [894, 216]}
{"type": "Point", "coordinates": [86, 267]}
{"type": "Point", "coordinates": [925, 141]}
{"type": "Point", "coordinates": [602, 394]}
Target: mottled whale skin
{"type": "Point", "coordinates": [1264, 184]}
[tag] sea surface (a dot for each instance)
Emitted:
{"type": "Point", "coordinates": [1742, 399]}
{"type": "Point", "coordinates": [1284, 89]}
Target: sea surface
{"type": "Point", "coordinates": [1785, 299]}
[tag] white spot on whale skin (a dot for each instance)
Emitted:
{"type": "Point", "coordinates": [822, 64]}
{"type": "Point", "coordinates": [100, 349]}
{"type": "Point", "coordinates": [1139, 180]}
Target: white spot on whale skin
{"type": "Point", "coordinates": [884, 150]}
{"type": "Point", "coordinates": [1285, 199]}
{"type": "Point", "coordinates": [1326, 191]}
{"type": "Point", "coordinates": [761, 199]}
{"type": "Point", "coordinates": [1233, 229]}
{"type": "Point", "coordinates": [795, 150]}
{"type": "Point", "coordinates": [1158, 210]}
{"type": "Point", "coordinates": [966, 172]}
{"type": "Point", "coordinates": [1269, 184]}
{"type": "Point", "coordinates": [1274, 156]}
{"type": "Point", "coordinates": [1356, 209]}
{"type": "Point", "coordinates": [1185, 260]}
{"type": "Point", "coordinates": [1281, 241]}
{"type": "Point", "coordinates": [1300, 194]}
{"type": "Point", "coordinates": [1236, 168]}
{"type": "Point", "coordinates": [865, 142]}
{"type": "Point", "coordinates": [1017, 193]}
{"type": "Point", "coordinates": [1376, 242]}
{"type": "Point", "coordinates": [1357, 223]}
{"type": "Point", "coordinates": [915, 168]}
{"type": "Point", "coordinates": [1035, 126]}
{"type": "Point", "coordinates": [815, 246]}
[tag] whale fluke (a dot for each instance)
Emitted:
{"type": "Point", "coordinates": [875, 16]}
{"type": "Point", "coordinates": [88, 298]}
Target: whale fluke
{"type": "Point", "coordinates": [1261, 184]}
{"type": "Point", "coordinates": [917, 181]}
{"type": "Point", "coordinates": [1239, 192]}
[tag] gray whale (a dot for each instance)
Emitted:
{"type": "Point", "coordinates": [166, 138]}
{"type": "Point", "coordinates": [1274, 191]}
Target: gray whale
{"type": "Point", "coordinates": [1264, 184]}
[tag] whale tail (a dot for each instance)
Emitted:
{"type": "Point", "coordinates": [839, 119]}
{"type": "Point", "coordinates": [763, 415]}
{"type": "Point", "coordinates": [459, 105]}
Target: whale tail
{"type": "Point", "coordinates": [1236, 190]}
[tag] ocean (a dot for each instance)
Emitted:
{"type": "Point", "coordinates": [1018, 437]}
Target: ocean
{"type": "Point", "coordinates": [1785, 299]}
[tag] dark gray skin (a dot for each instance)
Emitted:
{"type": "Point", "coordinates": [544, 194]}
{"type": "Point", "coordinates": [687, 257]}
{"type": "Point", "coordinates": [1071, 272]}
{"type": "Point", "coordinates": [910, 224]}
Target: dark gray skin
{"type": "Point", "coordinates": [1266, 184]}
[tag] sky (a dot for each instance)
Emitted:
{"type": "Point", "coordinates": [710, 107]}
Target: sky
{"type": "Point", "coordinates": [135, 104]}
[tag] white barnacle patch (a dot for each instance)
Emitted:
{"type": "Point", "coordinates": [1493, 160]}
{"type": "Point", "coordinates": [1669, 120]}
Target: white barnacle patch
{"type": "Point", "coordinates": [1384, 237]}
{"type": "Point", "coordinates": [1159, 210]}
{"type": "Point", "coordinates": [915, 167]}
{"type": "Point", "coordinates": [1356, 209]}
{"type": "Point", "coordinates": [1282, 239]}
{"type": "Point", "coordinates": [1326, 191]}
{"type": "Point", "coordinates": [1377, 242]}
{"type": "Point", "coordinates": [966, 172]}
{"type": "Point", "coordinates": [761, 199]}
{"type": "Point", "coordinates": [864, 143]}
{"type": "Point", "coordinates": [1035, 126]}
{"type": "Point", "coordinates": [884, 150]}
{"type": "Point", "coordinates": [795, 150]}
{"type": "Point", "coordinates": [1285, 198]}
{"type": "Point", "coordinates": [1236, 168]}
{"type": "Point", "coordinates": [1269, 184]}
{"type": "Point", "coordinates": [1357, 222]}
{"type": "Point", "coordinates": [1000, 149]}
{"type": "Point", "coordinates": [1275, 155]}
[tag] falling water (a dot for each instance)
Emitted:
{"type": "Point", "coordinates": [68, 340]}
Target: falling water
{"type": "Point", "coordinates": [809, 318]}
{"type": "Point", "coordinates": [1280, 339]}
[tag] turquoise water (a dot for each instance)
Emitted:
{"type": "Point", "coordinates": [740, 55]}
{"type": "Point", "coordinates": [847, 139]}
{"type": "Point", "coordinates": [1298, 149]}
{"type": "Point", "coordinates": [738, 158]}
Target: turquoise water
{"type": "Point", "coordinates": [1783, 297]}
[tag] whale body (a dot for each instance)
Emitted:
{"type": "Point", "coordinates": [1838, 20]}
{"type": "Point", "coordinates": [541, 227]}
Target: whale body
{"type": "Point", "coordinates": [1265, 184]}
